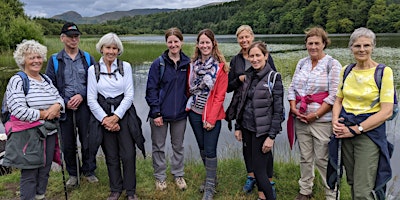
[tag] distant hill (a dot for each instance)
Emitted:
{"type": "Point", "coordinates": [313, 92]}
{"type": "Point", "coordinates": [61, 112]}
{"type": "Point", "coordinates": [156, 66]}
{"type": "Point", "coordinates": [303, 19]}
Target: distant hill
{"type": "Point", "coordinates": [75, 17]}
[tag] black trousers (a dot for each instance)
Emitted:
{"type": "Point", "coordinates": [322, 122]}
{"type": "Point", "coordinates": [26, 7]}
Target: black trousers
{"type": "Point", "coordinates": [119, 148]}
{"type": "Point", "coordinates": [259, 160]}
{"type": "Point", "coordinates": [69, 141]}
{"type": "Point", "coordinates": [247, 157]}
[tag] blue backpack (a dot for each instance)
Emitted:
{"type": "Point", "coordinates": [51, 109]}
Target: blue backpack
{"type": "Point", "coordinates": [55, 61]}
{"type": "Point", "coordinates": [5, 113]}
{"type": "Point", "coordinates": [378, 80]}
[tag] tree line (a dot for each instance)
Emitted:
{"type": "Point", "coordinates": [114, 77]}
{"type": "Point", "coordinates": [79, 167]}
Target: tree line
{"type": "Point", "coordinates": [273, 17]}
{"type": "Point", "coordinates": [265, 16]}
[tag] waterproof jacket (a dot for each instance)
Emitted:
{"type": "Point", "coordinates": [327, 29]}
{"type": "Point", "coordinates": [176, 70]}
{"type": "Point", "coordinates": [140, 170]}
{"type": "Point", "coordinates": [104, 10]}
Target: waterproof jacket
{"type": "Point", "coordinates": [214, 108]}
{"type": "Point", "coordinates": [26, 149]}
{"type": "Point", "coordinates": [378, 136]}
{"type": "Point", "coordinates": [267, 108]}
{"type": "Point", "coordinates": [166, 96]}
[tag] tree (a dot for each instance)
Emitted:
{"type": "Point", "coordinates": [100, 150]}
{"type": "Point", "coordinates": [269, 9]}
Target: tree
{"type": "Point", "coordinates": [377, 20]}
{"type": "Point", "coordinates": [15, 25]}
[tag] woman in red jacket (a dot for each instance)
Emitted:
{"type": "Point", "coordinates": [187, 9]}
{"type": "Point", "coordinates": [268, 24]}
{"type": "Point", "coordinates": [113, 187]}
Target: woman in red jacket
{"type": "Point", "coordinates": [208, 82]}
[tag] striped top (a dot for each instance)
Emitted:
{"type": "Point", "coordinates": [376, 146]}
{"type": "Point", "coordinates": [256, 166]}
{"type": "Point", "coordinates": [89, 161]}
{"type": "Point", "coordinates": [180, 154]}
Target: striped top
{"type": "Point", "coordinates": [41, 96]}
{"type": "Point", "coordinates": [308, 81]}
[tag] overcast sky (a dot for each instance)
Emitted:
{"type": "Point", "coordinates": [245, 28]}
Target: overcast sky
{"type": "Point", "coordinates": [90, 8]}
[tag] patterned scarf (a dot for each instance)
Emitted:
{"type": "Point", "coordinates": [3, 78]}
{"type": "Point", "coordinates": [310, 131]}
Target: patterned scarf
{"type": "Point", "coordinates": [204, 76]}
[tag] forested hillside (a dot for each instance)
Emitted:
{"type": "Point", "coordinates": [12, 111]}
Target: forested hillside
{"type": "Point", "coordinates": [273, 17]}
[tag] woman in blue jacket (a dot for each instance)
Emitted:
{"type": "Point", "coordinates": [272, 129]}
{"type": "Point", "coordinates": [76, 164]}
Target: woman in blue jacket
{"type": "Point", "coordinates": [166, 96]}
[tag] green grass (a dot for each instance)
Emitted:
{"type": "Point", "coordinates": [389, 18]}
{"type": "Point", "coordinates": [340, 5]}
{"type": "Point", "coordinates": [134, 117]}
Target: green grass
{"type": "Point", "coordinates": [231, 176]}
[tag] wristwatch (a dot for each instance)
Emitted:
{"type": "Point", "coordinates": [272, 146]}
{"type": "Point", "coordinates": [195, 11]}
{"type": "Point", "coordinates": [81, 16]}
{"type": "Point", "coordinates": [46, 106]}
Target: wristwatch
{"type": "Point", "coordinates": [360, 128]}
{"type": "Point", "coordinates": [272, 137]}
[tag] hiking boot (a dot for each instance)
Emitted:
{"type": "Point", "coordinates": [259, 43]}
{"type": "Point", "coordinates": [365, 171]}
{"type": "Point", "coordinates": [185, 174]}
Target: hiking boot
{"type": "Point", "coordinates": [303, 197]}
{"type": "Point", "coordinates": [92, 179]}
{"type": "Point", "coordinates": [208, 193]}
{"type": "Point", "coordinates": [72, 182]}
{"type": "Point", "coordinates": [203, 185]}
{"type": "Point", "coordinates": [249, 185]}
{"type": "Point", "coordinates": [161, 185]}
{"type": "Point", "coordinates": [40, 197]}
{"type": "Point", "coordinates": [114, 196]}
{"type": "Point", "coordinates": [181, 183]}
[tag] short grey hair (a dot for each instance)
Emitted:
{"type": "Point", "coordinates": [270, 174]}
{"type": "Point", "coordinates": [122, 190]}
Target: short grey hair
{"type": "Point", "coordinates": [362, 32]}
{"type": "Point", "coordinates": [109, 39]}
{"type": "Point", "coordinates": [27, 47]}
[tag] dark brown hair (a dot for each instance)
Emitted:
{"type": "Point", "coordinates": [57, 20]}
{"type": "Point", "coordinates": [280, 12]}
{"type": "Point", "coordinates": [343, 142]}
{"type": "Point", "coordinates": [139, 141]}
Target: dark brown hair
{"type": "Point", "coordinates": [260, 45]}
{"type": "Point", "coordinates": [174, 31]}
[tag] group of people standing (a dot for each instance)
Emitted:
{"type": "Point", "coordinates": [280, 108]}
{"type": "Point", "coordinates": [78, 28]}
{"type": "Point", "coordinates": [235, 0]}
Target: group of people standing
{"type": "Point", "coordinates": [94, 101]}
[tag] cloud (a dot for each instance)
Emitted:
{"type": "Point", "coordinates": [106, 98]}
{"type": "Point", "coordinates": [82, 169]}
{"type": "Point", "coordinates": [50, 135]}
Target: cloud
{"type": "Point", "coordinates": [90, 8]}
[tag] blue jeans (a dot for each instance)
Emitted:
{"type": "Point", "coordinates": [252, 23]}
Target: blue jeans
{"type": "Point", "coordinates": [206, 140]}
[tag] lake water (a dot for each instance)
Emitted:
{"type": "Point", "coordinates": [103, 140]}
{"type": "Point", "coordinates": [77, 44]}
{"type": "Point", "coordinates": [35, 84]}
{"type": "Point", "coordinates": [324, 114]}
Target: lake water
{"type": "Point", "coordinates": [228, 146]}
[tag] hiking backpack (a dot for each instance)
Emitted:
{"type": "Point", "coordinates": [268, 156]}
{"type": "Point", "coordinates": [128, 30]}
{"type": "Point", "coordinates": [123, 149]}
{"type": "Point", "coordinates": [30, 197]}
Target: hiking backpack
{"type": "Point", "coordinates": [378, 80]}
{"type": "Point", "coordinates": [55, 61]}
{"type": "Point", "coordinates": [271, 83]}
{"type": "Point", "coordinates": [162, 67]}
{"type": "Point", "coordinates": [5, 113]}
{"type": "Point", "coordinates": [120, 69]}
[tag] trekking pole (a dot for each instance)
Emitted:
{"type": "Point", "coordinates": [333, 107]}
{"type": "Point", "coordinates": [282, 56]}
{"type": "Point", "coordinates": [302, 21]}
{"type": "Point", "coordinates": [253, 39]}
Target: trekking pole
{"type": "Point", "coordinates": [77, 151]}
{"type": "Point", "coordinates": [62, 165]}
{"type": "Point", "coordinates": [338, 168]}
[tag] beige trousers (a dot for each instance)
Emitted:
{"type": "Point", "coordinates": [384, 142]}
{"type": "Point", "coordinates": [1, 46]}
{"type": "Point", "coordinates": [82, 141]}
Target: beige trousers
{"type": "Point", "coordinates": [313, 141]}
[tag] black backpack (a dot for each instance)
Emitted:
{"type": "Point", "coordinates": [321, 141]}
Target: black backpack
{"type": "Point", "coordinates": [120, 69]}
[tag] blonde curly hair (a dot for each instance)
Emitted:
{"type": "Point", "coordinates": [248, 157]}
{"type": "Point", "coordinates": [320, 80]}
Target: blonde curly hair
{"type": "Point", "coordinates": [27, 47]}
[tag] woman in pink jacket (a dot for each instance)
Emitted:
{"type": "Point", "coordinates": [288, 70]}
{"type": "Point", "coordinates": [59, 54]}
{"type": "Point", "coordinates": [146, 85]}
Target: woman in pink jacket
{"type": "Point", "coordinates": [208, 82]}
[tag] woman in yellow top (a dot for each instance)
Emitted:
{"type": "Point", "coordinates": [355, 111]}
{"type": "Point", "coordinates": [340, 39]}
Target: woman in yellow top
{"type": "Point", "coordinates": [360, 123]}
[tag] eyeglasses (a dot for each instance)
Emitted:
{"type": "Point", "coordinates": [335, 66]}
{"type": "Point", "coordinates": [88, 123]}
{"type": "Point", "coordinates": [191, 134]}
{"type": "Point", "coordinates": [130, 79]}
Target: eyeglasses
{"type": "Point", "coordinates": [359, 46]}
{"type": "Point", "coordinates": [74, 36]}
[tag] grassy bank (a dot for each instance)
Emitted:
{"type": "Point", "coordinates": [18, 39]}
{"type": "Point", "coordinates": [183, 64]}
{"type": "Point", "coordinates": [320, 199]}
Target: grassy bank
{"type": "Point", "coordinates": [231, 176]}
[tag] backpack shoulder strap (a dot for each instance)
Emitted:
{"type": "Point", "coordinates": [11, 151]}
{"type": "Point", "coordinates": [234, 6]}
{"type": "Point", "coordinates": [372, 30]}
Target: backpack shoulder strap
{"type": "Point", "coordinates": [46, 78]}
{"type": "Point", "coordinates": [25, 81]}
{"type": "Point", "coordinates": [347, 72]}
{"type": "Point", "coordinates": [378, 80]}
{"type": "Point", "coordinates": [162, 66]}
{"type": "Point", "coordinates": [97, 71]}
{"type": "Point", "coordinates": [55, 62]}
{"type": "Point", "coordinates": [378, 75]}
{"type": "Point", "coordinates": [271, 83]}
{"type": "Point", "coordinates": [302, 64]}
{"type": "Point", "coordinates": [120, 67]}
{"type": "Point", "coordinates": [87, 58]}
